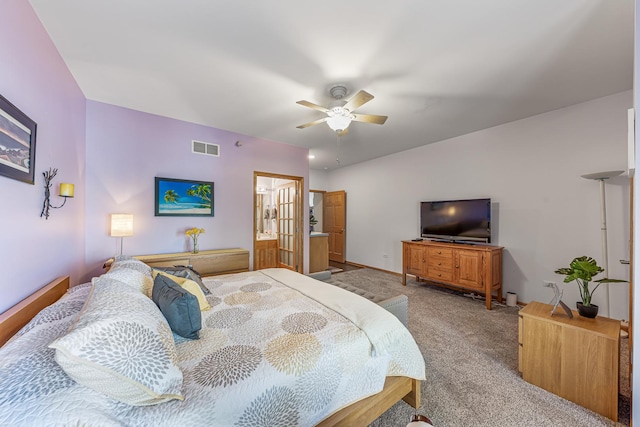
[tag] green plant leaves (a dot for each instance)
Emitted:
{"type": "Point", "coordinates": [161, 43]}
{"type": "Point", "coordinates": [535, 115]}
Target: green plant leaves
{"type": "Point", "coordinates": [582, 269]}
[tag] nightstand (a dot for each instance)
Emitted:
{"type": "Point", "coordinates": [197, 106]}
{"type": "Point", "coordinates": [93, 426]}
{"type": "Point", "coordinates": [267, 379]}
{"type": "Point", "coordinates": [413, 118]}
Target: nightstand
{"type": "Point", "coordinates": [577, 359]}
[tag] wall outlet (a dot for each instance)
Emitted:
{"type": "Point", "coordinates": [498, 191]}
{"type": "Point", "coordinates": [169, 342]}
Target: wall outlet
{"type": "Point", "coordinates": [385, 255]}
{"type": "Point", "coordinates": [549, 284]}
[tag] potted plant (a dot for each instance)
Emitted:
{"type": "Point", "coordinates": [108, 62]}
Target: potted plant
{"type": "Point", "coordinates": [582, 270]}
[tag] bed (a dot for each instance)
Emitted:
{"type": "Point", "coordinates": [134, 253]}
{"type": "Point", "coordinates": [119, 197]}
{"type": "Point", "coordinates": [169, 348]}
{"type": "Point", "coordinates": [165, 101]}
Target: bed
{"type": "Point", "coordinates": [275, 348]}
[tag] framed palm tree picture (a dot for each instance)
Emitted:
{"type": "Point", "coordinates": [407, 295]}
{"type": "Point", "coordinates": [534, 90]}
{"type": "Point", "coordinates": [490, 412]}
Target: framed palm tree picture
{"type": "Point", "coordinates": [181, 197]}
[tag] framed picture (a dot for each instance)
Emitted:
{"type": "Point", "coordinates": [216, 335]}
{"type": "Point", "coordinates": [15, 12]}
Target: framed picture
{"type": "Point", "coordinates": [182, 197]}
{"type": "Point", "coordinates": [17, 143]}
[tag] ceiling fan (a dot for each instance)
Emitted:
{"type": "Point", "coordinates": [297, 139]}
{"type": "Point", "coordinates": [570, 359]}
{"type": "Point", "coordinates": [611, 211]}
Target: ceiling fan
{"type": "Point", "coordinates": [340, 117]}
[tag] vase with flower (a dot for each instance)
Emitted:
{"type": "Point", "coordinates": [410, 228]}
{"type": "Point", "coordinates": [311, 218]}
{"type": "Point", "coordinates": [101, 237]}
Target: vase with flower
{"type": "Point", "coordinates": [194, 233]}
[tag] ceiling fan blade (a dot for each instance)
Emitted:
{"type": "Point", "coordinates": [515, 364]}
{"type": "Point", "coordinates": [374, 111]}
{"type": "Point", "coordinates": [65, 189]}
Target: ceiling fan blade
{"type": "Point", "coordinates": [315, 122]}
{"type": "Point", "coordinates": [314, 106]}
{"type": "Point", "coordinates": [358, 100]}
{"type": "Point", "coordinates": [370, 118]}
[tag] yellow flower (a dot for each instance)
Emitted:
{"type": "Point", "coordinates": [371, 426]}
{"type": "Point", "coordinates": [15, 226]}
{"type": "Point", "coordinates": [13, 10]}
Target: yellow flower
{"type": "Point", "coordinates": [194, 232]}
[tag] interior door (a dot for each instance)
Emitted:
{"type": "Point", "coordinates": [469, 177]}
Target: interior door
{"type": "Point", "coordinates": [287, 242]}
{"type": "Point", "coordinates": [334, 215]}
{"type": "Point", "coordinates": [266, 240]}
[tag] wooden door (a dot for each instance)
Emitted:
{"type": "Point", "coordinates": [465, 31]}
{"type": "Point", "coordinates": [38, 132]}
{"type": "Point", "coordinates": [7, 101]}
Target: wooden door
{"type": "Point", "coordinates": [266, 254]}
{"type": "Point", "coordinates": [287, 242]}
{"type": "Point", "coordinates": [469, 269]}
{"type": "Point", "coordinates": [334, 214]}
{"type": "Point", "coordinates": [415, 259]}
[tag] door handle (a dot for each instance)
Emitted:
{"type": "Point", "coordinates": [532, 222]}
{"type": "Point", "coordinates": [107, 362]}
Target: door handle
{"type": "Point", "coordinates": [341, 231]}
{"type": "Point", "coordinates": [624, 261]}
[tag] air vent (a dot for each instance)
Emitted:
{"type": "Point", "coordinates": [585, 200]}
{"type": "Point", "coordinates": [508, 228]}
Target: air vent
{"type": "Point", "coordinates": [205, 148]}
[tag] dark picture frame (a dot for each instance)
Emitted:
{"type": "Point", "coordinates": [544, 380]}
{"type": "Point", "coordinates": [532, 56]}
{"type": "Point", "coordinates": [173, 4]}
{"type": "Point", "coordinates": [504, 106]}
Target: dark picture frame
{"type": "Point", "coordinates": [183, 197]}
{"type": "Point", "coordinates": [17, 143]}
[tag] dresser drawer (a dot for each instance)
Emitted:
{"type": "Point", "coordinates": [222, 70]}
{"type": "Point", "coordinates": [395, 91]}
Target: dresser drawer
{"type": "Point", "coordinates": [440, 263]}
{"type": "Point", "coordinates": [446, 253]}
{"type": "Point", "coordinates": [439, 274]}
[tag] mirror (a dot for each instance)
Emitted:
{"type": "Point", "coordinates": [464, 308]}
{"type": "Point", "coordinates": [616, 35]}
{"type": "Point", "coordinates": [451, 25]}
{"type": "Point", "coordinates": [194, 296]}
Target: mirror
{"type": "Point", "coordinates": [315, 210]}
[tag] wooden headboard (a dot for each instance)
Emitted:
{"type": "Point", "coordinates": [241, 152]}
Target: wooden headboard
{"type": "Point", "coordinates": [20, 314]}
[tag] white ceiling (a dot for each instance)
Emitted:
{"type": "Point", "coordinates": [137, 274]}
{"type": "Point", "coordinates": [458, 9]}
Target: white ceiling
{"type": "Point", "coordinates": [437, 68]}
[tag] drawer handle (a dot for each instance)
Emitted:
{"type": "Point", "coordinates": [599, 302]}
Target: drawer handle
{"type": "Point", "coordinates": [439, 274]}
{"type": "Point", "coordinates": [438, 252]}
{"type": "Point", "coordinates": [439, 263]}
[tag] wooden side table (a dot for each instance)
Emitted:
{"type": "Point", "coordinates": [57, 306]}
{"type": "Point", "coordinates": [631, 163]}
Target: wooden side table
{"type": "Point", "coordinates": [577, 359]}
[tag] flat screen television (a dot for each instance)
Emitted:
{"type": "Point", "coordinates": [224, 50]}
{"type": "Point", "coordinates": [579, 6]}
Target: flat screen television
{"type": "Point", "coordinates": [456, 220]}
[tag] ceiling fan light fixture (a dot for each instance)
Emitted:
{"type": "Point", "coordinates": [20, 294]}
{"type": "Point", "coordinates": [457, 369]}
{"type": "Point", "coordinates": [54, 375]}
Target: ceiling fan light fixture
{"type": "Point", "coordinates": [339, 118]}
{"type": "Point", "coordinates": [338, 123]}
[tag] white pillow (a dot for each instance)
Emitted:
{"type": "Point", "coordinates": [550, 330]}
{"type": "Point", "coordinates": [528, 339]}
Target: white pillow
{"type": "Point", "coordinates": [122, 346]}
{"type": "Point", "coordinates": [133, 272]}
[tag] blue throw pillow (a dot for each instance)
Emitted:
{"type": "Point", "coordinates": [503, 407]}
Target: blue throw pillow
{"type": "Point", "coordinates": [178, 306]}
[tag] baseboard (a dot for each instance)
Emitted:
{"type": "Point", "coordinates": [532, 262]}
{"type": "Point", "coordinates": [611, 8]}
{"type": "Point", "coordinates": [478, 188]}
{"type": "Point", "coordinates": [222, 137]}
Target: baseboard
{"type": "Point", "coordinates": [373, 268]}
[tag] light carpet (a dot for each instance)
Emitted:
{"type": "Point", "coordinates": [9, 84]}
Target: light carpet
{"type": "Point", "coordinates": [471, 356]}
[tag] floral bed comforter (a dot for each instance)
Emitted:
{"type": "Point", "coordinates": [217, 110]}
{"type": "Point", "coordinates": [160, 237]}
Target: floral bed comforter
{"type": "Point", "coordinates": [271, 353]}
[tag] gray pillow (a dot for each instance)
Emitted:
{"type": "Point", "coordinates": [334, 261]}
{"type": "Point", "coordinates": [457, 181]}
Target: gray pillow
{"type": "Point", "coordinates": [178, 306]}
{"type": "Point", "coordinates": [186, 272]}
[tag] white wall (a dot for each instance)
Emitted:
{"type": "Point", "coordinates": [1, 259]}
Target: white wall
{"type": "Point", "coordinates": [318, 180]}
{"type": "Point", "coordinates": [546, 213]}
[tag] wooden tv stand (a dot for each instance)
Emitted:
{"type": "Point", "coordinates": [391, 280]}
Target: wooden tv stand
{"type": "Point", "coordinates": [475, 267]}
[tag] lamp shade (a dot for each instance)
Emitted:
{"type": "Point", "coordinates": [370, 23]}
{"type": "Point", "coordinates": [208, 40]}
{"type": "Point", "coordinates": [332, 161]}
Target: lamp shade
{"type": "Point", "coordinates": [121, 225]}
{"type": "Point", "coordinates": [66, 190]}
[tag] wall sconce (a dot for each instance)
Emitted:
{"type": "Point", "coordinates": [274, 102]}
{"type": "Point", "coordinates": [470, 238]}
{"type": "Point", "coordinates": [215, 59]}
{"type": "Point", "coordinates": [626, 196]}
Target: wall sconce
{"type": "Point", "coordinates": [66, 190]}
{"type": "Point", "coordinates": [121, 226]}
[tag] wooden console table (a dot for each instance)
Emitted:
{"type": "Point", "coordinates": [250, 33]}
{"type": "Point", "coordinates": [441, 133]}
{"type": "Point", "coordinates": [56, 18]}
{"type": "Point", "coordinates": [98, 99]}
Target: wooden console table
{"type": "Point", "coordinates": [207, 263]}
{"type": "Point", "coordinates": [476, 267]}
{"type": "Point", "coordinates": [577, 359]}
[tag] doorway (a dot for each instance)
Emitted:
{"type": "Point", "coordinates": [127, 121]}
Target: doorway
{"type": "Point", "coordinates": [278, 221]}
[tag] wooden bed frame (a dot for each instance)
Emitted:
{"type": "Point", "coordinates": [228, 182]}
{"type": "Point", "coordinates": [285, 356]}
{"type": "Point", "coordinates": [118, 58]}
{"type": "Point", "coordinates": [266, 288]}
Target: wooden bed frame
{"type": "Point", "coordinates": [361, 413]}
{"type": "Point", "coordinates": [20, 314]}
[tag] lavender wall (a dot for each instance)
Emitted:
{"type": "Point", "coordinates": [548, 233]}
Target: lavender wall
{"type": "Point", "coordinates": [126, 149]}
{"type": "Point", "coordinates": [33, 251]}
